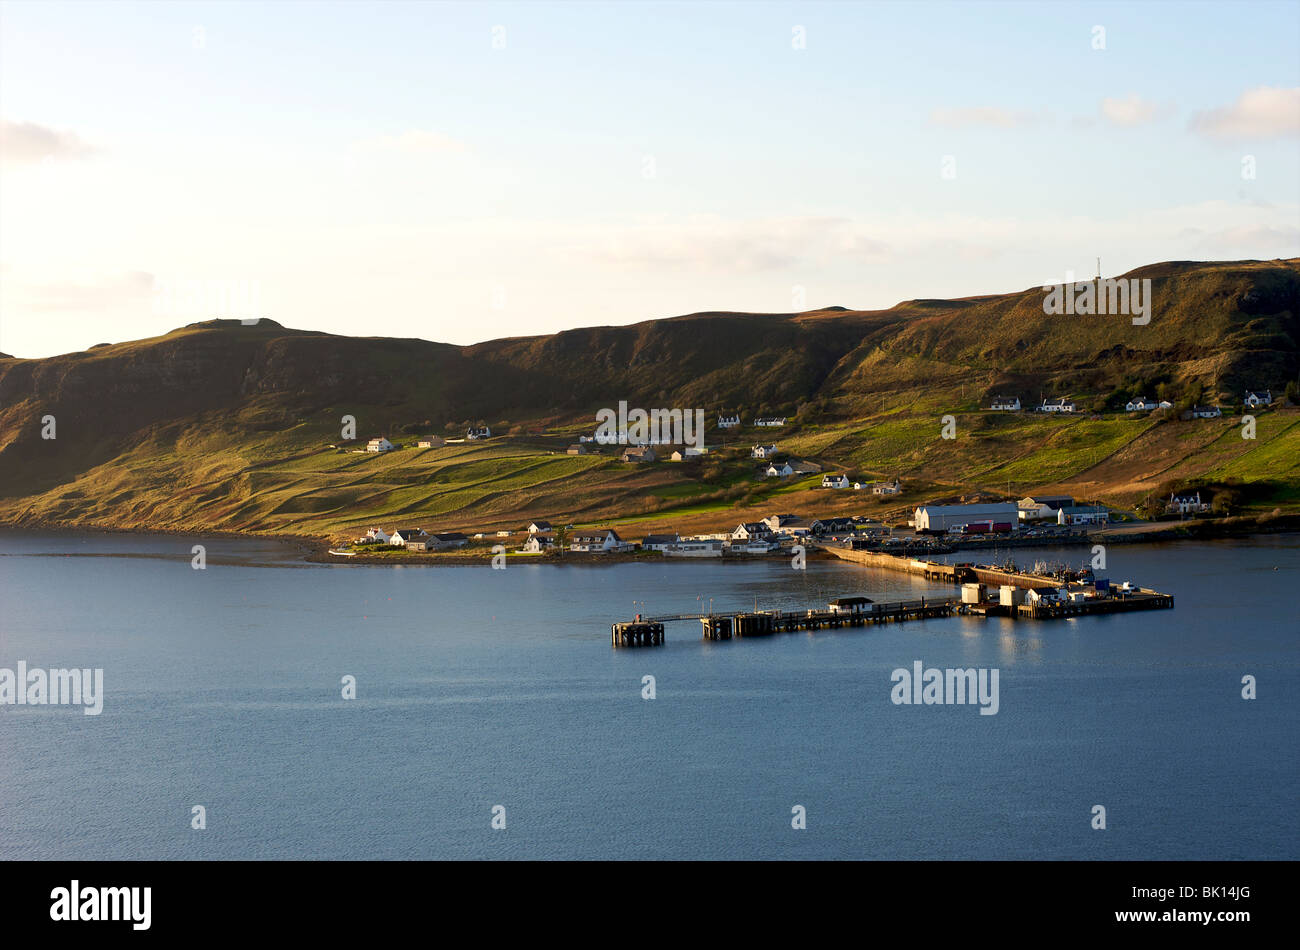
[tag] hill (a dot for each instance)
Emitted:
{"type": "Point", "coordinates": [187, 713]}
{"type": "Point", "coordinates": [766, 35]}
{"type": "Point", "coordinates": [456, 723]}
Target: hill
{"type": "Point", "coordinates": [221, 425]}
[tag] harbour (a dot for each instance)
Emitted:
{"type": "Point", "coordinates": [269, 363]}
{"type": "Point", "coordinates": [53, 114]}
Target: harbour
{"type": "Point", "coordinates": [985, 591]}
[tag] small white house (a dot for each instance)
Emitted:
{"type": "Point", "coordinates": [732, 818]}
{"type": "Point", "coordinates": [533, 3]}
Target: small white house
{"type": "Point", "coordinates": [762, 451]}
{"type": "Point", "coordinates": [1082, 514]}
{"type": "Point", "coordinates": [1205, 412]}
{"type": "Point", "coordinates": [835, 481]}
{"type": "Point", "coordinates": [1187, 502]}
{"type": "Point", "coordinates": [537, 543]}
{"type": "Point", "coordinates": [402, 536]}
{"type": "Point", "coordinates": [778, 470]}
{"type": "Point", "coordinates": [887, 488]}
{"type": "Point", "coordinates": [479, 432]}
{"type": "Point", "coordinates": [780, 522]}
{"type": "Point", "coordinates": [431, 442]}
{"type": "Point", "coordinates": [658, 542]}
{"type": "Point", "coordinates": [770, 422]}
{"type": "Point", "coordinates": [1005, 404]}
{"type": "Point", "coordinates": [1047, 595]}
{"type": "Point", "coordinates": [377, 534]}
{"type": "Point", "coordinates": [601, 541]}
{"type": "Point", "coordinates": [728, 422]}
{"type": "Point", "coordinates": [1140, 404]}
{"type": "Point", "coordinates": [379, 444]}
{"type": "Point", "coordinates": [1058, 405]}
{"type": "Point", "coordinates": [859, 486]}
{"type": "Point", "coordinates": [539, 527]}
{"type": "Point", "coordinates": [1254, 399]}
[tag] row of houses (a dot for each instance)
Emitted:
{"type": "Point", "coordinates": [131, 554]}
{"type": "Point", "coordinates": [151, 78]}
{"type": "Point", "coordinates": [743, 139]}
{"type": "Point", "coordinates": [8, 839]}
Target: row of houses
{"type": "Point", "coordinates": [382, 444]}
{"type": "Point", "coordinates": [788, 468]}
{"type": "Point", "coordinates": [597, 541]}
{"type": "Point", "coordinates": [840, 480]}
{"type": "Point", "coordinates": [415, 539]}
{"type": "Point", "coordinates": [1012, 404]}
{"type": "Point", "coordinates": [1252, 400]}
{"type": "Point", "coordinates": [763, 422]}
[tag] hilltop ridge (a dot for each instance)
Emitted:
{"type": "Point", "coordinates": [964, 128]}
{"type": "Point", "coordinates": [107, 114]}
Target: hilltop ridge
{"type": "Point", "coordinates": [203, 407]}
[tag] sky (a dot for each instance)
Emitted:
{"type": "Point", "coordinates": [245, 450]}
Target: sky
{"type": "Point", "coordinates": [462, 172]}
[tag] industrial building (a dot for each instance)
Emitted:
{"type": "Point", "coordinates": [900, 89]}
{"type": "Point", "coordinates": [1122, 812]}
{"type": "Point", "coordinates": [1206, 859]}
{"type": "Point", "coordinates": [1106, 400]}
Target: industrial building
{"type": "Point", "coordinates": [937, 519]}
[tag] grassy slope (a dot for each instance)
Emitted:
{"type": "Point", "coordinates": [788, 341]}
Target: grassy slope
{"type": "Point", "coordinates": [224, 427]}
{"type": "Point", "coordinates": [290, 483]}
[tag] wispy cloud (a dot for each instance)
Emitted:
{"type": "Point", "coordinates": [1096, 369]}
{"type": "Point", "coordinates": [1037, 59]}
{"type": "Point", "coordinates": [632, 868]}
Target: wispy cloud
{"type": "Point", "coordinates": [984, 116]}
{"type": "Point", "coordinates": [1263, 112]}
{"type": "Point", "coordinates": [90, 293]}
{"type": "Point", "coordinates": [1132, 110]}
{"type": "Point", "coordinates": [26, 142]}
{"type": "Point", "coordinates": [1251, 238]}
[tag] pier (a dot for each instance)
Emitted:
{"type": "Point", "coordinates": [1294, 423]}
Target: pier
{"type": "Point", "coordinates": [1019, 595]}
{"type": "Point", "coordinates": [954, 574]}
{"type": "Point", "coordinates": [637, 633]}
{"type": "Point", "coordinates": [854, 612]}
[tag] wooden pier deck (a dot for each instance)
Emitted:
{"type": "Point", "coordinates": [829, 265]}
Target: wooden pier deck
{"type": "Point", "coordinates": [762, 623]}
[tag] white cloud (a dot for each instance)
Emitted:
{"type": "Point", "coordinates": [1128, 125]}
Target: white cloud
{"type": "Point", "coordinates": [1252, 238]}
{"type": "Point", "coordinates": [987, 116]}
{"type": "Point", "coordinates": [25, 142]}
{"type": "Point", "coordinates": [88, 293]}
{"type": "Point", "coordinates": [1264, 112]}
{"type": "Point", "coordinates": [1132, 110]}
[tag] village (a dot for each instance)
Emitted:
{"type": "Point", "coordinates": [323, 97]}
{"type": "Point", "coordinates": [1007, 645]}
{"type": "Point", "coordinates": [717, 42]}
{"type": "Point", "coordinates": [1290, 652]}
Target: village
{"type": "Point", "coordinates": [922, 526]}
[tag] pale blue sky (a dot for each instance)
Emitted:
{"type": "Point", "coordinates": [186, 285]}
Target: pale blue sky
{"type": "Point", "coordinates": [383, 169]}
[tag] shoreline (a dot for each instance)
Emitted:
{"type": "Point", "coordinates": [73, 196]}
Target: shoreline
{"type": "Point", "coordinates": [314, 549]}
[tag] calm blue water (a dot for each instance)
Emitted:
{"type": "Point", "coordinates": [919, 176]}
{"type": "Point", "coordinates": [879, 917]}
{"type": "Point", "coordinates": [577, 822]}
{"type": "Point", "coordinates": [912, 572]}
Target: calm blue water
{"type": "Point", "coordinates": [480, 687]}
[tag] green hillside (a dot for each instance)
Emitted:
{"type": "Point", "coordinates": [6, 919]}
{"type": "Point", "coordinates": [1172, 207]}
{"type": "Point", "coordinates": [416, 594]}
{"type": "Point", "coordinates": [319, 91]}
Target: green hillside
{"type": "Point", "coordinates": [224, 426]}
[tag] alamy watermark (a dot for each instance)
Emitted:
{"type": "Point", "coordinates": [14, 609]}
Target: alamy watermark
{"type": "Point", "coordinates": [205, 298]}
{"type": "Point", "coordinates": [55, 687]}
{"type": "Point", "coordinates": [80, 902]}
{"type": "Point", "coordinates": [655, 427]}
{"type": "Point", "coordinates": [1109, 297]}
{"type": "Point", "coordinates": [934, 687]}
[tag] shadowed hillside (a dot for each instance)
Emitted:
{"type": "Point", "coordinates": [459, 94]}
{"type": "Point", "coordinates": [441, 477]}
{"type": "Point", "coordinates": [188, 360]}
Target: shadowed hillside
{"type": "Point", "coordinates": [215, 424]}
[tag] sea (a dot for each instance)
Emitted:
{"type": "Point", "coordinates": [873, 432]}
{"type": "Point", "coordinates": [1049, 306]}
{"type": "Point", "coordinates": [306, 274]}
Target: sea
{"type": "Point", "coordinates": [263, 707]}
